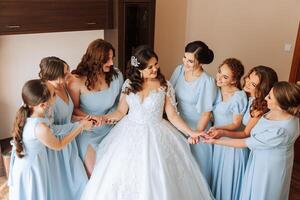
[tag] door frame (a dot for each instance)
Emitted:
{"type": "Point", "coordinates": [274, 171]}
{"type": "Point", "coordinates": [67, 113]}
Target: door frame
{"type": "Point", "coordinates": [295, 68]}
{"type": "Point", "coordinates": [294, 77]}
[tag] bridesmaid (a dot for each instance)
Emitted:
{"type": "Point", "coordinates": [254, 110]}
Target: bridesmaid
{"type": "Point", "coordinates": [270, 164]}
{"type": "Point", "coordinates": [257, 84]}
{"type": "Point", "coordinates": [67, 170]}
{"type": "Point", "coordinates": [29, 176]}
{"type": "Point", "coordinates": [231, 103]}
{"type": "Point", "coordinates": [95, 90]}
{"type": "Point", "coordinates": [195, 93]}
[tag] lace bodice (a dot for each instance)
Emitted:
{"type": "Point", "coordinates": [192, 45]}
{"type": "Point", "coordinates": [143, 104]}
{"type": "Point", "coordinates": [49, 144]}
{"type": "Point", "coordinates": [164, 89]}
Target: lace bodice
{"type": "Point", "coordinates": [151, 108]}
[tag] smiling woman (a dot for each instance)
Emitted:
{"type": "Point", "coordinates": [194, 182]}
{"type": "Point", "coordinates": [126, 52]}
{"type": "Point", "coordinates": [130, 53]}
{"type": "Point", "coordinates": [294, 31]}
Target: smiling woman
{"type": "Point", "coordinates": [271, 139]}
{"type": "Point", "coordinates": [257, 84]}
{"type": "Point", "coordinates": [146, 68]}
{"type": "Point", "coordinates": [229, 107]}
{"type": "Point", "coordinates": [195, 91]}
{"type": "Point", "coordinates": [54, 71]}
{"type": "Point", "coordinates": [94, 89]}
{"type": "Point", "coordinates": [144, 157]}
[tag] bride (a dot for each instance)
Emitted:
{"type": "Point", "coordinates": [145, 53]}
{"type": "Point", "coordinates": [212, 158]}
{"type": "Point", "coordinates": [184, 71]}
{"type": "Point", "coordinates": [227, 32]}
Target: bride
{"type": "Point", "coordinates": [144, 157]}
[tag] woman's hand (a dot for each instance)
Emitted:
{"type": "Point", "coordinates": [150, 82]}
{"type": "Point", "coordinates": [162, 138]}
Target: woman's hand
{"type": "Point", "coordinates": [196, 134]}
{"type": "Point", "coordinates": [86, 124]}
{"type": "Point", "coordinates": [193, 140]}
{"type": "Point", "coordinates": [215, 133]}
{"type": "Point", "coordinates": [195, 137]}
{"type": "Point", "coordinates": [110, 121]}
{"type": "Point", "coordinates": [97, 120]}
{"type": "Point", "coordinates": [211, 129]}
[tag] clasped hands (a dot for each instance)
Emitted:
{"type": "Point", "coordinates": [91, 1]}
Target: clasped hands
{"type": "Point", "coordinates": [101, 120]}
{"type": "Point", "coordinates": [96, 120]}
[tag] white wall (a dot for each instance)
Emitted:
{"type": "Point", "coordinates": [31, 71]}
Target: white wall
{"type": "Point", "coordinates": [19, 61]}
{"type": "Point", "coordinates": [170, 33]}
{"type": "Point", "coordinates": [253, 31]}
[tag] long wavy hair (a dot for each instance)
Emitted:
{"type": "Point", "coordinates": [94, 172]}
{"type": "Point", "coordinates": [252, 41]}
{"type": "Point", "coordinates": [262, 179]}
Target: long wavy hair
{"type": "Point", "coordinates": [142, 55]}
{"type": "Point", "coordinates": [237, 69]}
{"type": "Point", "coordinates": [91, 64]}
{"type": "Point", "coordinates": [34, 92]}
{"type": "Point", "coordinates": [288, 97]}
{"type": "Point", "coordinates": [267, 78]}
{"type": "Point", "coordinates": [51, 68]}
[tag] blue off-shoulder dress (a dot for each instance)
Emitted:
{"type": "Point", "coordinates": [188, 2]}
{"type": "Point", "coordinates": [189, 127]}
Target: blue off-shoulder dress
{"type": "Point", "coordinates": [98, 103]}
{"type": "Point", "coordinates": [194, 98]}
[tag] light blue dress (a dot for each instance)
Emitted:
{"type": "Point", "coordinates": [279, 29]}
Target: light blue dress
{"type": "Point", "coordinates": [98, 103]}
{"type": "Point", "coordinates": [194, 98]}
{"type": "Point", "coordinates": [29, 177]}
{"type": "Point", "coordinates": [270, 165]}
{"type": "Point", "coordinates": [229, 163]}
{"type": "Point", "coordinates": [68, 174]}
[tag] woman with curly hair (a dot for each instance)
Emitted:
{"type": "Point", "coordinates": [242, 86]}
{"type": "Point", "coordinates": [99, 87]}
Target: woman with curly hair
{"type": "Point", "coordinates": [94, 90]}
{"type": "Point", "coordinates": [144, 157]}
{"type": "Point", "coordinates": [257, 84]}
{"type": "Point", "coordinates": [230, 105]}
{"type": "Point", "coordinates": [269, 168]}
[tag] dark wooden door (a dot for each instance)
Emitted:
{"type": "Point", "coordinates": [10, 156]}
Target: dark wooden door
{"type": "Point", "coordinates": [295, 78]}
{"type": "Point", "coordinates": [133, 26]}
{"type": "Point", "coordinates": [138, 27]}
{"type": "Point", "coordinates": [295, 69]}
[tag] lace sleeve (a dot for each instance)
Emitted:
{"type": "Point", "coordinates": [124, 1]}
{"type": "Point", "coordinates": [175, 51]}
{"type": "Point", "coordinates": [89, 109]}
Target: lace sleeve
{"type": "Point", "coordinates": [171, 95]}
{"type": "Point", "coordinates": [125, 86]}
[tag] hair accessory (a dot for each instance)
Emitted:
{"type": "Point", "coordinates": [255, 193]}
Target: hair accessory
{"type": "Point", "coordinates": [24, 105]}
{"type": "Point", "coordinates": [134, 62]}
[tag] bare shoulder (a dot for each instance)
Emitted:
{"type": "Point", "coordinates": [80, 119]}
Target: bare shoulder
{"type": "Point", "coordinates": [76, 81]}
{"type": "Point", "coordinates": [50, 87]}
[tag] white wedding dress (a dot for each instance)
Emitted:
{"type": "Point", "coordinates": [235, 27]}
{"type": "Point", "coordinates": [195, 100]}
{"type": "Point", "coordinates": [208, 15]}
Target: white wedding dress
{"type": "Point", "coordinates": [145, 158]}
